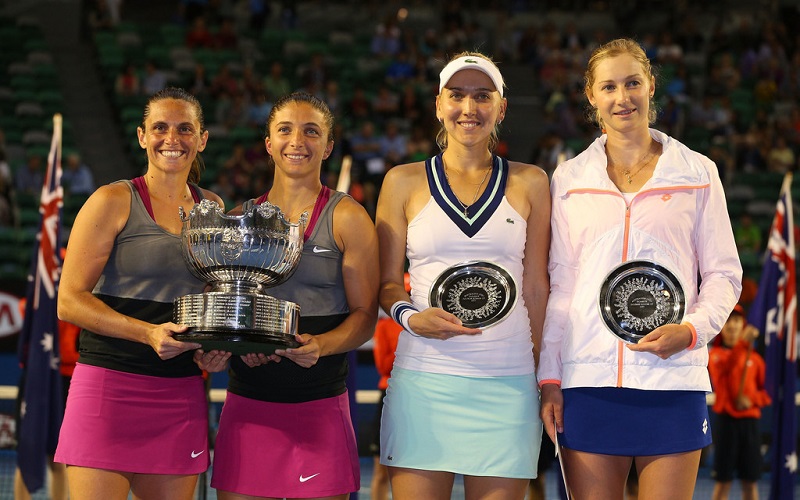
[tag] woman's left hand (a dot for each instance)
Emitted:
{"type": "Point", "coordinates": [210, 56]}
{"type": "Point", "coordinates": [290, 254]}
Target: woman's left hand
{"type": "Point", "coordinates": [664, 341]}
{"type": "Point", "coordinates": [306, 355]}
{"type": "Point", "coordinates": [212, 361]}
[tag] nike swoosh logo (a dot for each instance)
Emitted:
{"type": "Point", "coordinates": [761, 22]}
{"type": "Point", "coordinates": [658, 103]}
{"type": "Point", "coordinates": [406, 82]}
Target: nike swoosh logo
{"type": "Point", "coordinates": [195, 455]}
{"type": "Point", "coordinates": [317, 249]}
{"type": "Point", "coordinates": [304, 479]}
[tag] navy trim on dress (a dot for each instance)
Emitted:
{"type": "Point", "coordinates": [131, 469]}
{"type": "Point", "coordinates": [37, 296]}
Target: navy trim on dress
{"type": "Point", "coordinates": [479, 213]}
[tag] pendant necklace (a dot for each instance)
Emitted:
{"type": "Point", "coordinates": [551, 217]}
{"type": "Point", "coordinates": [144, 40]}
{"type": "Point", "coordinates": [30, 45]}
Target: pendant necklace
{"type": "Point", "coordinates": [477, 190]}
{"type": "Point", "coordinates": [641, 164]}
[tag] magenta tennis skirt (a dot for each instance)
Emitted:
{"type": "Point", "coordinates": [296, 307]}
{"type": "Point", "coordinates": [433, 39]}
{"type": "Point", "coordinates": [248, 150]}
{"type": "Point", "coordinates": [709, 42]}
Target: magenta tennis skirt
{"type": "Point", "coordinates": [134, 423]}
{"type": "Point", "coordinates": [280, 450]}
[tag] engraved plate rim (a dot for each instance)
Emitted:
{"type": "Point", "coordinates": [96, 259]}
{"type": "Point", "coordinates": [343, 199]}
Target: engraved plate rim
{"type": "Point", "coordinates": [624, 271]}
{"type": "Point", "coordinates": [476, 267]}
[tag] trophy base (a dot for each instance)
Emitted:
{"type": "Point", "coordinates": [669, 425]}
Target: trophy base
{"type": "Point", "coordinates": [239, 343]}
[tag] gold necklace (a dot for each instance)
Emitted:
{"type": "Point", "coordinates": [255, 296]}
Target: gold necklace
{"type": "Point", "coordinates": [477, 190]}
{"type": "Point", "coordinates": [641, 164]}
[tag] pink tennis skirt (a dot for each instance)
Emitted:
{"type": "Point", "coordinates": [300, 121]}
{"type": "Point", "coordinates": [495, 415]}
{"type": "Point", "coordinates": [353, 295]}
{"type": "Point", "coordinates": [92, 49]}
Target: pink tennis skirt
{"type": "Point", "coordinates": [134, 423]}
{"type": "Point", "coordinates": [280, 450]}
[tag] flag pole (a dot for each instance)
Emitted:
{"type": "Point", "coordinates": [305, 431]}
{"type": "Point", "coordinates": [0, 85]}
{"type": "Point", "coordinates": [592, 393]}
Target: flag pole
{"type": "Point", "coordinates": [40, 394]}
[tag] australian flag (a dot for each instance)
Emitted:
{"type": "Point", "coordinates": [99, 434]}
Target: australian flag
{"type": "Point", "coordinates": [774, 313]}
{"type": "Point", "coordinates": [41, 403]}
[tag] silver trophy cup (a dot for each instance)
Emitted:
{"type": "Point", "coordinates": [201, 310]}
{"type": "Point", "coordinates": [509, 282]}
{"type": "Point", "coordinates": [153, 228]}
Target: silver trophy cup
{"type": "Point", "coordinates": [240, 256]}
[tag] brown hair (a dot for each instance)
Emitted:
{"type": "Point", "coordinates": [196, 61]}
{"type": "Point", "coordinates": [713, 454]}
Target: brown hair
{"type": "Point", "coordinates": [180, 94]}
{"type": "Point", "coordinates": [310, 99]}
{"type": "Point", "coordinates": [441, 135]}
{"type": "Point", "coordinates": [611, 49]}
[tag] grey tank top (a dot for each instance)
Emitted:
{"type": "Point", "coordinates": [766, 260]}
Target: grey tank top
{"type": "Point", "coordinates": [317, 283]}
{"type": "Point", "coordinates": [146, 261]}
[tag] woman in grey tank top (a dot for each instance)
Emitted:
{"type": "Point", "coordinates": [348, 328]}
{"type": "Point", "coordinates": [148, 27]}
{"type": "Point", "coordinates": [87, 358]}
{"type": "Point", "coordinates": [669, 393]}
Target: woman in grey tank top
{"type": "Point", "coordinates": [136, 418]}
{"type": "Point", "coordinates": [295, 401]}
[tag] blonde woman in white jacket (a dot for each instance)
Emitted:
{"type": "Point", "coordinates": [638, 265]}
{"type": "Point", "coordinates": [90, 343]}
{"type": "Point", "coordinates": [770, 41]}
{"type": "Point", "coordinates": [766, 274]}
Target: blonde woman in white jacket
{"type": "Point", "coordinates": [633, 194]}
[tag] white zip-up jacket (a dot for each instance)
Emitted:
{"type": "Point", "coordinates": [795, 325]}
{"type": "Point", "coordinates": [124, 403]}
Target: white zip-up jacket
{"type": "Point", "coordinates": [679, 219]}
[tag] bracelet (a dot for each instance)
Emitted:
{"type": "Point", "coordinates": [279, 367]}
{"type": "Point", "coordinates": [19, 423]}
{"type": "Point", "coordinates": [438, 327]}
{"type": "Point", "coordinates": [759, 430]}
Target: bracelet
{"type": "Point", "coordinates": [401, 311]}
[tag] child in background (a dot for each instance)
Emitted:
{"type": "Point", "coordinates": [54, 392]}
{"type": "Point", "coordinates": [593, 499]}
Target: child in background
{"type": "Point", "coordinates": [737, 374]}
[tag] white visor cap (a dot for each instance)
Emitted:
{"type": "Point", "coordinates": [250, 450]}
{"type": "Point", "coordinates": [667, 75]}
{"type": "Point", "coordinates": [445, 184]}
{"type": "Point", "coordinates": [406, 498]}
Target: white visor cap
{"type": "Point", "coordinates": [471, 62]}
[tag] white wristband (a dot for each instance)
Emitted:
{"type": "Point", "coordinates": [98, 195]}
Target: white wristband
{"type": "Point", "coordinates": [401, 311]}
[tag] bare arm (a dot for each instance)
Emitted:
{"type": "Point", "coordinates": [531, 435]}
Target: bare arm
{"type": "Point", "coordinates": [535, 279]}
{"type": "Point", "coordinates": [400, 198]}
{"type": "Point", "coordinates": [355, 235]}
{"type": "Point", "coordinates": [92, 238]}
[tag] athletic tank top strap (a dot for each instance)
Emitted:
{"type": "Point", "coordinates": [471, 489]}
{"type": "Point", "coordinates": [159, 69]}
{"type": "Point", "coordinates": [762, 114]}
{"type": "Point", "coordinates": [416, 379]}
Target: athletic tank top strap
{"type": "Point", "coordinates": [144, 194]}
{"type": "Point", "coordinates": [322, 199]}
{"type": "Point", "coordinates": [479, 212]}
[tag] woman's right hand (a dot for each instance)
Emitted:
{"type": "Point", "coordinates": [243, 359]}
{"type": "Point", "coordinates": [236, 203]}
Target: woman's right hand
{"type": "Point", "coordinates": [436, 323]}
{"type": "Point", "coordinates": [552, 410]}
{"type": "Point", "coordinates": [159, 337]}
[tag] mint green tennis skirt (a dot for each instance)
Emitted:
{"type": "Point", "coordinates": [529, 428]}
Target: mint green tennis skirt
{"type": "Point", "coordinates": [475, 426]}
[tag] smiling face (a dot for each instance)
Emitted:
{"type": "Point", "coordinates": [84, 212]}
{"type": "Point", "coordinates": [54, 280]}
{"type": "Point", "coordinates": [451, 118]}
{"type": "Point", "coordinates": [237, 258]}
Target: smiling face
{"type": "Point", "coordinates": [172, 135]}
{"type": "Point", "coordinates": [298, 138]}
{"type": "Point", "coordinates": [470, 107]}
{"type": "Point", "coordinates": [620, 91]}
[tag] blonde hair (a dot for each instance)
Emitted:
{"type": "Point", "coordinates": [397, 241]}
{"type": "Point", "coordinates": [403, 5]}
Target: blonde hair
{"type": "Point", "coordinates": [611, 49]}
{"type": "Point", "coordinates": [441, 135]}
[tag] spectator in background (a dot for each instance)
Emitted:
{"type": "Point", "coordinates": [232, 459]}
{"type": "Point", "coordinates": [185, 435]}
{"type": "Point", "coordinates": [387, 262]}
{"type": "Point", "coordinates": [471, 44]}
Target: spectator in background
{"type": "Point", "coordinates": [315, 74]}
{"type": "Point", "coordinates": [738, 377]}
{"type": "Point", "coordinates": [198, 35]}
{"type": "Point", "coordinates": [419, 147]}
{"type": "Point", "coordinates": [369, 166]}
{"type": "Point", "coordinates": [393, 145]}
{"type": "Point", "coordinates": [128, 82]}
{"type": "Point", "coordinates": [76, 176]}
{"type": "Point", "coordinates": [29, 179]}
{"type": "Point", "coordinates": [226, 38]}
{"type": "Point", "coordinates": [747, 235]}
{"type": "Point", "coordinates": [275, 83]}
{"type": "Point", "coordinates": [258, 110]}
{"type": "Point", "coordinates": [385, 104]}
{"type": "Point", "coordinates": [781, 158]}
{"type": "Point", "coordinates": [154, 78]}
{"type": "Point", "coordinates": [225, 83]}
{"type": "Point", "coordinates": [551, 151]}
{"type": "Point", "coordinates": [198, 84]}
{"type": "Point", "coordinates": [240, 172]}
{"type": "Point", "coordinates": [259, 14]}
{"type": "Point", "coordinates": [97, 15]}
{"type": "Point", "coordinates": [386, 41]}
{"type": "Point", "coordinates": [360, 105]}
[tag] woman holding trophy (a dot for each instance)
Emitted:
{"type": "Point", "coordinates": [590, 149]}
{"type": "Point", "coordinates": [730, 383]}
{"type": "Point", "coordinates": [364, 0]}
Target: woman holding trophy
{"type": "Point", "coordinates": [474, 227]}
{"type": "Point", "coordinates": [644, 272]}
{"type": "Point", "coordinates": [136, 418]}
{"type": "Point", "coordinates": [285, 429]}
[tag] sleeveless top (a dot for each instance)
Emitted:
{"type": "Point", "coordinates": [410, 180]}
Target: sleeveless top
{"type": "Point", "coordinates": [317, 286]}
{"type": "Point", "coordinates": [145, 272]}
{"type": "Point", "coordinates": [491, 231]}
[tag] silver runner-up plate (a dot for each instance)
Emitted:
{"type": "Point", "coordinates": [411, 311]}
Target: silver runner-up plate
{"type": "Point", "coordinates": [639, 296]}
{"type": "Point", "coordinates": [480, 294]}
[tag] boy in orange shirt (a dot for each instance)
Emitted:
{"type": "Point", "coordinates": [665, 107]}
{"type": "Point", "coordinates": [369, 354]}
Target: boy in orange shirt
{"type": "Point", "coordinates": [737, 374]}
